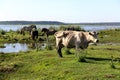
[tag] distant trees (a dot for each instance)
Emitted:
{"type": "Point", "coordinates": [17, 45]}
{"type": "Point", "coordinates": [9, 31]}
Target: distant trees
{"type": "Point", "coordinates": [31, 22]}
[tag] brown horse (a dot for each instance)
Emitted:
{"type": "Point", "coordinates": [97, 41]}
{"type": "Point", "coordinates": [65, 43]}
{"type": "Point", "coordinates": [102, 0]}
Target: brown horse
{"type": "Point", "coordinates": [27, 28]}
{"type": "Point", "coordinates": [48, 32]}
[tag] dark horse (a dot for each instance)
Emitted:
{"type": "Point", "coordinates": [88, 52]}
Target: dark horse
{"type": "Point", "coordinates": [34, 34]}
{"type": "Point", "coordinates": [27, 28]}
{"type": "Point", "coordinates": [48, 32]}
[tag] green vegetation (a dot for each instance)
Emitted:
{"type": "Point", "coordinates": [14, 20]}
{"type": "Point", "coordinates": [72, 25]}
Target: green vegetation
{"type": "Point", "coordinates": [105, 36]}
{"type": "Point", "coordinates": [46, 65]}
{"type": "Point", "coordinates": [2, 45]}
{"type": "Point", "coordinates": [75, 27]}
{"type": "Point", "coordinates": [16, 36]}
{"type": "Point", "coordinates": [98, 62]}
{"type": "Point", "coordinates": [108, 36]}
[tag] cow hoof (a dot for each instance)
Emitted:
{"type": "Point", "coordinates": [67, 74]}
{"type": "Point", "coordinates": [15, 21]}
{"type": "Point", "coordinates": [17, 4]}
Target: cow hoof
{"type": "Point", "coordinates": [60, 56]}
{"type": "Point", "coordinates": [81, 60]}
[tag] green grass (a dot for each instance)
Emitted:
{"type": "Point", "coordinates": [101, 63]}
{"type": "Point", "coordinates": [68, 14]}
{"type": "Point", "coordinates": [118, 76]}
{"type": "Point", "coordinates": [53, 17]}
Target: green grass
{"type": "Point", "coordinates": [110, 36]}
{"type": "Point", "coordinates": [46, 65]}
{"type": "Point", "coordinates": [2, 46]}
{"type": "Point", "coordinates": [102, 62]}
{"type": "Point", "coordinates": [105, 36]}
{"type": "Point", "coordinates": [14, 36]}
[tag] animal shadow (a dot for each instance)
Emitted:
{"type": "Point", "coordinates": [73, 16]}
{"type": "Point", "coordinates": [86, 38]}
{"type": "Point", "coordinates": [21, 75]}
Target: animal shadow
{"type": "Point", "coordinates": [94, 60]}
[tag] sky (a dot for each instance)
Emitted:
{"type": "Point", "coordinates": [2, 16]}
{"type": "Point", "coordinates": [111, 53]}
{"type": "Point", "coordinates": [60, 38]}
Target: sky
{"type": "Point", "coordinates": [69, 11]}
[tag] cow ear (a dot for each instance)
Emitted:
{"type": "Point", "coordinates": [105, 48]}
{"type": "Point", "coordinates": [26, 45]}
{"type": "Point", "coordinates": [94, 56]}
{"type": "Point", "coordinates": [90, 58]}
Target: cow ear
{"type": "Point", "coordinates": [96, 32]}
{"type": "Point", "coordinates": [91, 33]}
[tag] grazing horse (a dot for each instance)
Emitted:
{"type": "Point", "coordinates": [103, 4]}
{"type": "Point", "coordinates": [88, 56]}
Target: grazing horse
{"type": "Point", "coordinates": [34, 34]}
{"type": "Point", "coordinates": [29, 28]}
{"type": "Point", "coordinates": [48, 32]}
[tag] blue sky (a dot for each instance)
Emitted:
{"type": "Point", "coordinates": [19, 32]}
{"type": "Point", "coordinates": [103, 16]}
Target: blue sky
{"type": "Point", "coordinates": [74, 11]}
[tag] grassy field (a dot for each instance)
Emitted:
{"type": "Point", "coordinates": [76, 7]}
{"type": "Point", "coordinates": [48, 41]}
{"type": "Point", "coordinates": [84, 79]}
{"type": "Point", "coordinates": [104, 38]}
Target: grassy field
{"type": "Point", "coordinates": [46, 65]}
{"type": "Point", "coordinates": [108, 36]}
{"type": "Point", "coordinates": [102, 62]}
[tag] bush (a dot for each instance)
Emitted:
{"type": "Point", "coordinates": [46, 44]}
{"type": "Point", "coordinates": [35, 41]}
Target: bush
{"type": "Point", "coordinates": [74, 27]}
{"type": "Point", "coordinates": [2, 32]}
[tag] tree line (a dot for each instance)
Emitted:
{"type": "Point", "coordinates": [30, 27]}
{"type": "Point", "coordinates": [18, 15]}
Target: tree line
{"type": "Point", "coordinates": [55, 23]}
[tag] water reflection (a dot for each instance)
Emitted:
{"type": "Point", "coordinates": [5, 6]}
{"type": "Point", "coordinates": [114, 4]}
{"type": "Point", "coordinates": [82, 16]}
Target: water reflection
{"type": "Point", "coordinates": [14, 47]}
{"type": "Point", "coordinates": [37, 45]}
{"type": "Point", "coordinates": [17, 47]}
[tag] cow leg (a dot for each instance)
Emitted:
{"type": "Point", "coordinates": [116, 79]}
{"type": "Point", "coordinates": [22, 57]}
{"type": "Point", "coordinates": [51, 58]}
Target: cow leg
{"type": "Point", "coordinates": [81, 53]}
{"type": "Point", "coordinates": [59, 46]}
{"type": "Point", "coordinates": [77, 46]}
{"type": "Point", "coordinates": [59, 52]}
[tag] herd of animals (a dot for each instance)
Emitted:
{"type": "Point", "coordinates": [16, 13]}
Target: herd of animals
{"type": "Point", "coordinates": [32, 29]}
{"type": "Point", "coordinates": [69, 38]}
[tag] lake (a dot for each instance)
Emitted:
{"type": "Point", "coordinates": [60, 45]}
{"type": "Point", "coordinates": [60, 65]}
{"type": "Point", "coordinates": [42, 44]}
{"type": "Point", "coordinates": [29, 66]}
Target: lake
{"type": "Point", "coordinates": [85, 27]}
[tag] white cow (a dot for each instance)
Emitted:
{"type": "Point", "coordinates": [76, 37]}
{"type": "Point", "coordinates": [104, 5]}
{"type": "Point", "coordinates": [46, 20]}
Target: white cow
{"type": "Point", "coordinates": [71, 39]}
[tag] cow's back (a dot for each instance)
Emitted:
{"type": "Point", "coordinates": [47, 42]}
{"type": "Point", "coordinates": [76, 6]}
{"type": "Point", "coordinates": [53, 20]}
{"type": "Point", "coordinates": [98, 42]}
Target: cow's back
{"type": "Point", "coordinates": [72, 39]}
{"type": "Point", "coordinates": [68, 39]}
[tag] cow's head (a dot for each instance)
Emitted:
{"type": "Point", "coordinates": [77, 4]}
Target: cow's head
{"type": "Point", "coordinates": [93, 37]}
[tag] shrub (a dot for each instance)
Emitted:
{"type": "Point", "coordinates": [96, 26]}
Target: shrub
{"type": "Point", "coordinates": [75, 27]}
{"type": "Point", "coordinates": [2, 32]}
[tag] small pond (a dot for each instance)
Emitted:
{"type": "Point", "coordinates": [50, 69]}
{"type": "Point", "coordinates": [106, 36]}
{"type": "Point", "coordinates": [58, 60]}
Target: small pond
{"type": "Point", "coordinates": [13, 47]}
{"type": "Point", "coordinates": [17, 47]}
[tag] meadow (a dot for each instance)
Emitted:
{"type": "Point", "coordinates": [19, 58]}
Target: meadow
{"type": "Point", "coordinates": [102, 61]}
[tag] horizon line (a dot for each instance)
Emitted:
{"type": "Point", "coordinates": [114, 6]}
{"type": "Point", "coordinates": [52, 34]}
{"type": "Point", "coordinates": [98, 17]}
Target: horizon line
{"type": "Point", "coordinates": [59, 21]}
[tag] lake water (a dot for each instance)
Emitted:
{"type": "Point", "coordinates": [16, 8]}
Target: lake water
{"type": "Point", "coordinates": [85, 27]}
{"type": "Point", "coordinates": [16, 47]}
